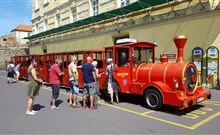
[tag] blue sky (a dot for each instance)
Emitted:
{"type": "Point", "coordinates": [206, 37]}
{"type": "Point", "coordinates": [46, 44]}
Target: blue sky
{"type": "Point", "coordinates": [13, 13]}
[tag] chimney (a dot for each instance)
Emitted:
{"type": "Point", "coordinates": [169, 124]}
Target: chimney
{"type": "Point", "coordinates": [180, 42]}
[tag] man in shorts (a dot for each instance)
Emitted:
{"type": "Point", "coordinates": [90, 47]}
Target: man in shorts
{"type": "Point", "coordinates": [11, 70]}
{"type": "Point", "coordinates": [89, 77]}
{"type": "Point", "coordinates": [112, 86]}
{"type": "Point", "coordinates": [74, 84]}
{"type": "Point", "coordinates": [55, 73]}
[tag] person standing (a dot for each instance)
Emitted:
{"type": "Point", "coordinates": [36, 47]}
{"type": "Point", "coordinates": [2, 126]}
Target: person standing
{"type": "Point", "coordinates": [95, 63]}
{"type": "Point", "coordinates": [89, 78]}
{"type": "Point", "coordinates": [33, 86]}
{"type": "Point", "coordinates": [112, 86]}
{"type": "Point", "coordinates": [74, 84]}
{"type": "Point", "coordinates": [17, 71]}
{"type": "Point", "coordinates": [55, 73]}
{"type": "Point", "coordinates": [11, 70]}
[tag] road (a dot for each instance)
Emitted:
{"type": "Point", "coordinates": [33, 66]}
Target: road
{"type": "Point", "coordinates": [130, 116]}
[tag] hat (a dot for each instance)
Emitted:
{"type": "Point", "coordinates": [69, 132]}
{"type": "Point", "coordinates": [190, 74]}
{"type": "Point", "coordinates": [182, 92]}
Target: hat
{"type": "Point", "coordinates": [94, 63]}
{"type": "Point", "coordinates": [58, 61]}
{"type": "Point", "coordinates": [109, 60]}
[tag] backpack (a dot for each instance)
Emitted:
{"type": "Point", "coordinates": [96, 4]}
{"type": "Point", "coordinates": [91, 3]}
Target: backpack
{"type": "Point", "coordinates": [11, 69]}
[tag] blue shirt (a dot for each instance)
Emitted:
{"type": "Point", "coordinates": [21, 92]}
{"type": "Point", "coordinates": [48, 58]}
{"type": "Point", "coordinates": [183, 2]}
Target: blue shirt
{"type": "Point", "coordinates": [17, 67]}
{"type": "Point", "coordinates": [110, 70]}
{"type": "Point", "coordinates": [87, 70]}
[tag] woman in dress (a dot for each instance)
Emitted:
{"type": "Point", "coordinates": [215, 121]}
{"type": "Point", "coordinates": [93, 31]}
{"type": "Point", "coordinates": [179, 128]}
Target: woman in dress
{"type": "Point", "coordinates": [33, 86]}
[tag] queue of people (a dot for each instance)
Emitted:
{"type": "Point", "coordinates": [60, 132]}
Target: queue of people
{"type": "Point", "coordinates": [91, 83]}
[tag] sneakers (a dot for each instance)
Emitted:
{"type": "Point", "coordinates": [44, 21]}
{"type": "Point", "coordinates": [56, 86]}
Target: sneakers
{"type": "Point", "coordinates": [55, 108]}
{"type": "Point", "coordinates": [34, 111]}
{"type": "Point", "coordinates": [117, 101]}
{"type": "Point", "coordinates": [30, 113]}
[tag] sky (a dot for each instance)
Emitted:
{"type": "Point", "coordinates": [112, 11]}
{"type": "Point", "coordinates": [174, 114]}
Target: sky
{"type": "Point", "coordinates": [13, 13]}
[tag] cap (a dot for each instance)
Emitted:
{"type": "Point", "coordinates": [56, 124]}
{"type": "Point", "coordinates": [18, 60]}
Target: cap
{"type": "Point", "coordinates": [109, 60]}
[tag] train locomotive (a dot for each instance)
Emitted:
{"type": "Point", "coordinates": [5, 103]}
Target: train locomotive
{"type": "Point", "coordinates": [164, 83]}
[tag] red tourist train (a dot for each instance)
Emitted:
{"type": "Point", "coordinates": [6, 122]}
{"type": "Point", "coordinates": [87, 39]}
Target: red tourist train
{"type": "Point", "coordinates": [174, 84]}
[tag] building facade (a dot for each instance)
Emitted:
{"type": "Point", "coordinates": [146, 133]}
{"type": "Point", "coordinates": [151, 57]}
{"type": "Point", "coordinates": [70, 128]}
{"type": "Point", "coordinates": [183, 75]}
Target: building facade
{"type": "Point", "coordinates": [72, 25]}
{"type": "Point", "coordinates": [49, 14]}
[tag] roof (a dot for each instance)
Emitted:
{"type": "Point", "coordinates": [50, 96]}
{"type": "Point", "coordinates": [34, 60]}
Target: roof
{"type": "Point", "coordinates": [20, 27]}
{"type": "Point", "coordinates": [123, 11]}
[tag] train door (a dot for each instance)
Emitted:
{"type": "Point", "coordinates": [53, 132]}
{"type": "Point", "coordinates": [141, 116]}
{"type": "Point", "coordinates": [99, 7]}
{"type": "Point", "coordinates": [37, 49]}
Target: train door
{"type": "Point", "coordinates": [22, 67]}
{"type": "Point", "coordinates": [65, 70]}
{"type": "Point", "coordinates": [99, 57]}
{"type": "Point", "coordinates": [66, 74]}
{"type": "Point", "coordinates": [123, 70]}
{"type": "Point", "coordinates": [42, 68]}
{"type": "Point", "coordinates": [80, 56]}
{"type": "Point", "coordinates": [49, 63]}
{"type": "Point", "coordinates": [60, 56]}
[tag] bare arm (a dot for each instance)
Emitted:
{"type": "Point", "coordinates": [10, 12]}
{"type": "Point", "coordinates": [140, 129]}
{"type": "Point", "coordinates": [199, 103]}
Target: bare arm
{"type": "Point", "coordinates": [94, 75]}
{"type": "Point", "coordinates": [33, 72]}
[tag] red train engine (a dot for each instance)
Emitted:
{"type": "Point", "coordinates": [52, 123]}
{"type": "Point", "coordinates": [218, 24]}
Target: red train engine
{"type": "Point", "coordinates": [174, 84]}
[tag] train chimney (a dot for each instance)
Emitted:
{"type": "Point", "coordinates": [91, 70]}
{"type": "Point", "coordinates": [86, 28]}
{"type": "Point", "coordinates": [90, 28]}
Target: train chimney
{"type": "Point", "coordinates": [180, 42]}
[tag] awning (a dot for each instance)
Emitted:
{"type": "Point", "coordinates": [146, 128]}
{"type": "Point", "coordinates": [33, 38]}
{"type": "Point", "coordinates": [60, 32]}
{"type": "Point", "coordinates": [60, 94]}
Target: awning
{"type": "Point", "coordinates": [123, 11]}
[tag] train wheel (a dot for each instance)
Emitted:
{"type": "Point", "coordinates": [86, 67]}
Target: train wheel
{"type": "Point", "coordinates": [153, 99]}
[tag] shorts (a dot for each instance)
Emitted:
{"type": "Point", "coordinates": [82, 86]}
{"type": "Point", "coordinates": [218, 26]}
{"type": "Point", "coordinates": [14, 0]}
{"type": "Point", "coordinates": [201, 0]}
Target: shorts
{"type": "Point", "coordinates": [10, 74]}
{"type": "Point", "coordinates": [73, 88]}
{"type": "Point", "coordinates": [55, 90]}
{"type": "Point", "coordinates": [17, 73]}
{"type": "Point", "coordinates": [112, 87]}
{"type": "Point", "coordinates": [89, 89]}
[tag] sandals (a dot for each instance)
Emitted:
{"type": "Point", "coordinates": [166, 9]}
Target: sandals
{"type": "Point", "coordinates": [76, 106]}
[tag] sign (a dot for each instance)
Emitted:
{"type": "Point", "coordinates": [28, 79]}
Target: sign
{"type": "Point", "coordinates": [197, 59]}
{"type": "Point", "coordinates": [170, 56]}
{"type": "Point", "coordinates": [212, 60]}
{"type": "Point", "coordinates": [212, 51]}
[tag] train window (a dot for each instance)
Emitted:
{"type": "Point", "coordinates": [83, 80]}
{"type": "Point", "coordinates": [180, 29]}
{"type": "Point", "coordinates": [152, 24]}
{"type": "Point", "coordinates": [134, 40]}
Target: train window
{"type": "Point", "coordinates": [88, 54]}
{"type": "Point", "coordinates": [98, 57]}
{"type": "Point", "coordinates": [108, 53]}
{"type": "Point", "coordinates": [41, 62]}
{"type": "Point", "coordinates": [143, 55]}
{"type": "Point", "coordinates": [65, 61]}
{"type": "Point", "coordinates": [123, 57]}
{"type": "Point", "coordinates": [80, 59]}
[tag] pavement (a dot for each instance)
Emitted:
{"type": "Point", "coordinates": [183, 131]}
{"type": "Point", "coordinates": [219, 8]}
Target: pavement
{"type": "Point", "coordinates": [130, 116]}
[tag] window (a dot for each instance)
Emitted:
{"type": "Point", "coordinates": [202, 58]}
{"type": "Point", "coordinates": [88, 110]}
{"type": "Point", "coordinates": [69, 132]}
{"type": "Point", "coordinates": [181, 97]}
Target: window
{"type": "Point", "coordinates": [74, 15]}
{"type": "Point", "coordinates": [45, 25]}
{"type": "Point", "coordinates": [109, 53]}
{"type": "Point", "coordinates": [123, 57]}
{"type": "Point", "coordinates": [124, 3]}
{"type": "Point", "coordinates": [36, 29]}
{"type": "Point", "coordinates": [95, 7]}
{"type": "Point", "coordinates": [143, 55]}
{"type": "Point", "coordinates": [58, 20]}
